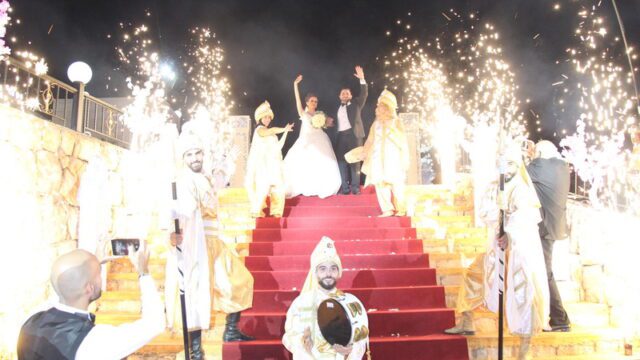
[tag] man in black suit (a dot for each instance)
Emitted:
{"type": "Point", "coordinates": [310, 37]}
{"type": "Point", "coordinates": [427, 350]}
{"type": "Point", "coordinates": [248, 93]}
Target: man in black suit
{"type": "Point", "coordinates": [551, 176]}
{"type": "Point", "coordinates": [350, 133]}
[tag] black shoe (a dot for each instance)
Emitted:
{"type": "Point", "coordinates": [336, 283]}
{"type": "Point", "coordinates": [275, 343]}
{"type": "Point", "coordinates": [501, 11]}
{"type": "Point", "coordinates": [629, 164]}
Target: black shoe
{"type": "Point", "coordinates": [345, 192]}
{"type": "Point", "coordinates": [231, 331]}
{"type": "Point", "coordinates": [195, 338]}
{"type": "Point", "coordinates": [558, 328]}
{"type": "Point", "coordinates": [355, 191]}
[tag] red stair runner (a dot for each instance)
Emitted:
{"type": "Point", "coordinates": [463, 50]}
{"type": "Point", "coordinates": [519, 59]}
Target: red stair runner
{"type": "Point", "coordinates": [384, 266]}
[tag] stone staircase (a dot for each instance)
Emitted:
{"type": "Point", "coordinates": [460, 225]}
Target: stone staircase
{"type": "Point", "coordinates": [444, 221]}
{"type": "Point", "coordinates": [450, 252]}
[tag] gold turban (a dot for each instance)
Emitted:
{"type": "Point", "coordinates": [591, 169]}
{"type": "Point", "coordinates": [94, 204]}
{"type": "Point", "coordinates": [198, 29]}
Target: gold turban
{"type": "Point", "coordinates": [387, 98]}
{"type": "Point", "coordinates": [263, 110]}
{"type": "Point", "coordinates": [324, 251]}
{"type": "Point", "coordinates": [188, 141]}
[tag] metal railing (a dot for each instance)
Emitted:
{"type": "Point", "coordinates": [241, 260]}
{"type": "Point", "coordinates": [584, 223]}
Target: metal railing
{"type": "Point", "coordinates": [104, 121]}
{"type": "Point", "coordinates": [578, 188]}
{"type": "Point", "coordinates": [56, 101]}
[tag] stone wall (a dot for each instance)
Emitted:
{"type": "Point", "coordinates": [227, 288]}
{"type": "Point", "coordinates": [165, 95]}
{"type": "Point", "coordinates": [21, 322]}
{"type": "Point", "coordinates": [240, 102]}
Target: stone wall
{"type": "Point", "coordinates": [602, 256]}
{"type": "Point", "coordinates": [42, 164]}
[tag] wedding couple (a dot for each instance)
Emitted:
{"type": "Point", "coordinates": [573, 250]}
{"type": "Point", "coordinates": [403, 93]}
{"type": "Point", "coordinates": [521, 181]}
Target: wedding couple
{"type": "Point", "coordinates": [314, 166]}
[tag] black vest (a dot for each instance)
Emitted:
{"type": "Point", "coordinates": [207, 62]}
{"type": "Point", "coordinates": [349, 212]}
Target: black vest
{"type": "Point", "coordinates": [53, 335]}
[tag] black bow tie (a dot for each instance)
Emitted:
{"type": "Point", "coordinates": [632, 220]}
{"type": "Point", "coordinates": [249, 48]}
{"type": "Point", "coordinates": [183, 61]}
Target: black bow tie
{"type": "Point", "coordinates": [90, 316]}
{"type": "Point", "coordinates": [344, 104]}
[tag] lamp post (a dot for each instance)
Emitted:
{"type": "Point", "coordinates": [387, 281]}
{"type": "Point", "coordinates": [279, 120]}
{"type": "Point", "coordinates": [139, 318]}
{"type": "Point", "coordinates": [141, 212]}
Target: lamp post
{"type": "Point", "coordinates": [80, 74]}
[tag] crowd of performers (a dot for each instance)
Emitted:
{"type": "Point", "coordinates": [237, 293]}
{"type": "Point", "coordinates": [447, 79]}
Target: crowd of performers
{"type": "Point", "coordinates": [534, 203]}
{"type": "Point", "coordinates": [214, 277]}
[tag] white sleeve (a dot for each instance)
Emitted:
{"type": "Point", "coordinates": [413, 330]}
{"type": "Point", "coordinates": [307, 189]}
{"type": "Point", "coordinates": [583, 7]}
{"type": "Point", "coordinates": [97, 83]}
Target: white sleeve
{"type": "Point", "coordinates": [294, 329]}
{"type": "Point", "coordinates": [526, 216]}
{"type": "Point", "coordinates": [116, 342]}
{"type": "Point", "coordinates": [358, 350]}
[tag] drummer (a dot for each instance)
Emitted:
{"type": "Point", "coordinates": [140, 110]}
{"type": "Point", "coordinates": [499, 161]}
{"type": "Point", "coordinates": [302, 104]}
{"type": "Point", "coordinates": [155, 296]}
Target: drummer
{"type": "Point", "coordinates": [302, 335]}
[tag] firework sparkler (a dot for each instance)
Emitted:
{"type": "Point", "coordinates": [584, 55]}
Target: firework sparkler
{"type": "Point", "coordinates": [603, 89]}
{"type": "Point", "coordinates": [209, 111]}
{"type": "Point", "coordinates": [4, 21]}
{"type": "Point", "coordinates": [461, 85]}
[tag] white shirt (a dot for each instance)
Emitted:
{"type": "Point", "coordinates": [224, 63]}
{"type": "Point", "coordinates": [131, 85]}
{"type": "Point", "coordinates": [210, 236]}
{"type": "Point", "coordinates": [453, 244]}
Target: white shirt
{"type": "Point", "coordinates": [111, 342]}
{"type": "Point", "coordinates": [343, 118]}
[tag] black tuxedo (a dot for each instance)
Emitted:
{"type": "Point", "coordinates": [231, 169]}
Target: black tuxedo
{"type": "Point", "coordinates": [346, 140]}
{"type": "Point", "coordinates": [551, 178]}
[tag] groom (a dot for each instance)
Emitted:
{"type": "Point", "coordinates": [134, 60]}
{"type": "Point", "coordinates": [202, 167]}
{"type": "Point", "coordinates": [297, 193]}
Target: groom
{"type": "Point", "coordinates": [350, 133]}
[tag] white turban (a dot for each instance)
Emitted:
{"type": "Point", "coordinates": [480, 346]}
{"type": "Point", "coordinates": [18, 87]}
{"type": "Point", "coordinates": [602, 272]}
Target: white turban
{"type": "Point", "coordinates": [387, 98]}
{"type": "Point", "coordinates": [324, 251]}
{"type": "Point", "coordinates": [188, 142]}
{"type": "Point", "coordinates": [263, 110]}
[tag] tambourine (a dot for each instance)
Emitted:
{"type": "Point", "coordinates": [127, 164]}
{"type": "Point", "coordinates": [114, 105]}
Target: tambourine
{"type": "Point", "coordinates": [343, 320]}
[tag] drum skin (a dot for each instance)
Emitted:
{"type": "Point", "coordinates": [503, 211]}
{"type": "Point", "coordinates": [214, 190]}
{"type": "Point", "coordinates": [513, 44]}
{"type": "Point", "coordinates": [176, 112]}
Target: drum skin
{"type": "Point", "coordinates": [343, 320]}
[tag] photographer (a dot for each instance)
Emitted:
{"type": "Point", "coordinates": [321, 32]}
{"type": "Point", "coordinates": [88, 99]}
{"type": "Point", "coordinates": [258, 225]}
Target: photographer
{"type": "Point", "coordinates": [67, 330]}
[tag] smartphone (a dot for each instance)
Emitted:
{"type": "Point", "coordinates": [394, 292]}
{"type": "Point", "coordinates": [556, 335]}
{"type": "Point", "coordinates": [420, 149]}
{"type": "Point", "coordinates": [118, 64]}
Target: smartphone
{"type": "Point", "coordinates": [120, 247]}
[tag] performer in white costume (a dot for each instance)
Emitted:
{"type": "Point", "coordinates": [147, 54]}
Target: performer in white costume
{"type": "Point", "coordinates": [302, 335]}
{"type": "Point", "coordinates": [215, 279]}
{"type": "Point", "coordinates": [527, 291]}
{"type": "Point", "coordinates": [310, 167]}
{"type": "Point", "coordinates": [264, 176]}
{"type": "Point", "coordinates": [386, 156]}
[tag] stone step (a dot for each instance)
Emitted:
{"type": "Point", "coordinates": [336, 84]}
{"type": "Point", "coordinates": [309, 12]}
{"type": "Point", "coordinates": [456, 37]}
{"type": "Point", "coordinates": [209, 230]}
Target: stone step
{"type": "Point", "coordinates": [418, 192]}
{"type": "Point", "coordinates": [582, 315]}
{"type": "Point", "coordinates": [569, 294]}
{"type": "Point", "coordinates": [451, 278]}
{"type": "Point", "coordinates": [123, 265]}
{"type": "Point", "coordinates": [607, 356]}
{"type": "Point", "coordinates": [451, 260]}
{"type": "Point", "coordinates": [241, 221]}
{"type": "Point", "coordinates": [426, 221]}
{"type": "Point", "coordinates": [442, 210]}
{"type": "Point", "coordinates": [462, 232]}
{"type": "Point", "coordinates": [128, 281]}
{"type": "Point", "coordinates": [579, 343]}
{"type": "Point", "coordinates": [291, 280]}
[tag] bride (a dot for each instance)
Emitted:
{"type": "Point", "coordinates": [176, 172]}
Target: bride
{"type": "Point", "coordinates": [310, 166]}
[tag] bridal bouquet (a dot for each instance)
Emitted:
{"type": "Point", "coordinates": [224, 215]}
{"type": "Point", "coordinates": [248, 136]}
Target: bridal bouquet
{"type": "Point", "coordinates": [319, 120]}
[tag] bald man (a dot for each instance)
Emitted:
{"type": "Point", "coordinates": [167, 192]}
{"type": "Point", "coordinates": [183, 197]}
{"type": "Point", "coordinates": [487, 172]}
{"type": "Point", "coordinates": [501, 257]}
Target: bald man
{"type": "Point", "coordinates": [67, 330]}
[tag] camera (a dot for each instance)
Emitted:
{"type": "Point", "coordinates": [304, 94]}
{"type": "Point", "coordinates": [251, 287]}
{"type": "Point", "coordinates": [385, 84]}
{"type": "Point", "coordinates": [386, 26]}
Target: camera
{"type": "Point", "coordinates": [120, 247]}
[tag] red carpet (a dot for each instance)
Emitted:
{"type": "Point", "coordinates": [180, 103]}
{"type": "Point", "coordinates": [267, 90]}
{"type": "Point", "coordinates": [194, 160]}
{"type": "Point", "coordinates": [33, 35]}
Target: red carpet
{"type": "Point", "coordinates": [384, 267]}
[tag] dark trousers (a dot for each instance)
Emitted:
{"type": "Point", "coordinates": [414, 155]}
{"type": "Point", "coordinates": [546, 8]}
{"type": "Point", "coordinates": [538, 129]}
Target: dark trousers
{"type": "Point", "coordinates": [349, 173]}
{"type": "Point", "coordinates": [558, 316]}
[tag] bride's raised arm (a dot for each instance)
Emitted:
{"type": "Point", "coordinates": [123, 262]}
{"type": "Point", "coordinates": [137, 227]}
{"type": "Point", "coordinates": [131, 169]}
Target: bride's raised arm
{"type": "Point", "coordinates": [297, 94]}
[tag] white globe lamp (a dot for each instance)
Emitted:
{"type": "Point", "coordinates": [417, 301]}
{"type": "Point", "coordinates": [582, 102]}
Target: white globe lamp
{"type": "Point", "coordinates": [79, 72]}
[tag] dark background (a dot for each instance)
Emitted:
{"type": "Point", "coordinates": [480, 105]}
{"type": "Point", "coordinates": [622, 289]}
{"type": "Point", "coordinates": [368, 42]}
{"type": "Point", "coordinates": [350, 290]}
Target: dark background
{"type": "Point", "coordinates": [269, 42]}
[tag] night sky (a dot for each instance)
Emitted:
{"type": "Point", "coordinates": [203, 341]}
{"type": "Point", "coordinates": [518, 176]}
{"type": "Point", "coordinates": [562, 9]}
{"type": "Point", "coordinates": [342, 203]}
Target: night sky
{"type": "Point", "coordinates": [268, 42]}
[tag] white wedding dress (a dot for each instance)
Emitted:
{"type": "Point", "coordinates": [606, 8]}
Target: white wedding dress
{"type": "Point", "coordinates": [310, 167]}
